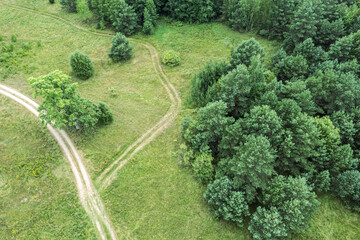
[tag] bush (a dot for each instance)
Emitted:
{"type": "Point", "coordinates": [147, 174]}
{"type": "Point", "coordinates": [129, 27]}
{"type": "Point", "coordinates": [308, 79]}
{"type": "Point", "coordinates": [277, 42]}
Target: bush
{"type": "Point", "coordinates": [81, 65]}
{"type": "Point", "coordinates": [13, 38]}
{"type": "Point", "coordinates": [51, 1]}
{"type": "Point", "coordinates": [347, 187]}
{"type": "Point", "coordinates": [104, 114]}
{"type": "Point", "coordinates": [245, 51]}
{"type": "Point", "coordinates": [203, 168]}
{"type": "Point", "coordinates": [69, 5]}
{"type": "Point", "coordinates": [171, 58]}
{"type": "Point", "coordinates": [267, 224]}
{"type": "Point", "coordinates": [121, 49]}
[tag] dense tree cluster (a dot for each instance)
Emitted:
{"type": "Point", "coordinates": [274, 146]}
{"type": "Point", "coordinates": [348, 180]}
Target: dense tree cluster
{"type": "Point", "coordinates": [266, 139]}
{"type": "Point", "coordinates": [294, 20]}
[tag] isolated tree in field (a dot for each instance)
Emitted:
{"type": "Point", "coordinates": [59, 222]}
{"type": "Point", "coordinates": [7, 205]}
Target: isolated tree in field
{"type": "Point", "coordinates": [62, 104]}
{"type": "Point", "coordinates": [81, 65]}
{"type": "Point", "coordinates": [121, 49]}
{"type": "Point", "coordinates": [123, 18]}
{"type": "Point", "coordinates": [245, 51]}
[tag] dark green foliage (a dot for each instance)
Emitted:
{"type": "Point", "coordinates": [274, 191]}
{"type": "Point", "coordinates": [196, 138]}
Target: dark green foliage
{"type": "Point", "coordinates": [171, 58]}
{"type": "Point", "coordinates": [345, 123]}
{"type": "Point", "coordinates": [81, 65]}
{"type": "Point", "coordinates": [297, 91]}
{"type": "Point", "coordinates": [281, 14]}
{"type": "Point", "coordinates": [303, 25]}
{"type": "Point", "coordinates": [203, 168]}
{"type": "Point", "coordinates": [341, 49]}
{"type": "Point", "coordinates": [148, 27]}
{"type": "Point", "coordinates": [313, 55]}
{"type": "Point", "coordinates": [51, 1]}
{"type": "Point", "coordinates": [322, 182]}
{"type": "Point", "coordinates": [333, 91]}
{"type": "Point", "coordinates": [299, 144]}
{"type": "Point", "coordinates": [294, 200]}
{"type": "Point", "coordinates": [347, 187]}
{"type": "Point", "coordinates": [245, 51]}
{"type": "Point", "coordinates": [264, 121]}
{"type": "Point", "coordinates": [267, 224]}
{"type": "Point", "coordinates": [291, 67]}
{"type": "Point", "coordinates": [123, 18]}
{"type": "Point", "coordinates": [243, 15]}
{"type": "Point", "coordinates": [252, 165]}
{"type": "Point", "coordinates": [121, 49]}
{"type": "Point", "coordinates": [329, 32]}
{"type": "Point", "coordinates": [104, 114]}
{"type": "Point", "coordinates": [195, 11]}
{"type": "Point", "coordinates": [226, 202]}
{"type": "Point", "coordinates": [205, 79]}
{"type": "Point", "coordinates": [211, 123]}
{"type": "Point", "coordinates": [240, 88]}
{"type": "Point", "coordinates": [69, 5]}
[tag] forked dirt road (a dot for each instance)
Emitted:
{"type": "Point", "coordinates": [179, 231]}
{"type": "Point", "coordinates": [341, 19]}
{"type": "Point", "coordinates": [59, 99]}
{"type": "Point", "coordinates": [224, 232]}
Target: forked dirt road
{"type": "Point", "coordinates": [87, 192]}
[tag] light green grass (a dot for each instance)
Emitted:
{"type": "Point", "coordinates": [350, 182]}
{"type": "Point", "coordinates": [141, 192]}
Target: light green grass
{"type": "Point", "coordinates": [153, 197]}
{"type": "Point", "coordinates": [36, 207]}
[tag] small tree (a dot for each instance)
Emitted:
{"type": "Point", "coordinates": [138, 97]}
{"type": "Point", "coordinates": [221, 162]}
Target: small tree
{"type": "Point", "coordinates": [171, 58]}
{"type": "Point", "coordinates": [245, 51]}
{"type": "Point", "coordinates": [104, 114]}
{"type": "Point", "coordinates": [121, 49]}
{"type": "Point", "coordinates": [62, 103]}
{"type": "Point", "coordinates": [83, 10]}
{"type": "Point", "coordinates": [81, 65]}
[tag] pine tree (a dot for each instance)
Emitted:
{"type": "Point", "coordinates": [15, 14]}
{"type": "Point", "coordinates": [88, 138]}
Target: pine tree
{"type": "Point", "coordinates": [303, 26]}
{"type": "Point", "coordinates": [123, 18]}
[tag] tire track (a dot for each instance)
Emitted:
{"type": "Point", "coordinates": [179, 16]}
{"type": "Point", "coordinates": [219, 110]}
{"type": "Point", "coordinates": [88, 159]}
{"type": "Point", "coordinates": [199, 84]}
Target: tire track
{"type": "Point", "coordinates": [108, 175]}
{"type": "Point", "coordinates": [92, 202]}
{"type": "Point", "coordinates": [88, 195]}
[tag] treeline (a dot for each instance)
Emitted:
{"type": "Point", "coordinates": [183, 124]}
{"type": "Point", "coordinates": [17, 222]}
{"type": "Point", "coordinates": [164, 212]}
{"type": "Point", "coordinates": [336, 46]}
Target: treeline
{"type": "Point", "coordinates": [293, 20]}
{"type": "Point", "coordinates": [268, 138]}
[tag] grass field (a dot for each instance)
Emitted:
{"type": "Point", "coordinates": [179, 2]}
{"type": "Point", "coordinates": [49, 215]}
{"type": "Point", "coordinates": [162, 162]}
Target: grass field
{"type": "Point", "coordinates": [38, 199]}
{"type": "Point", "coordinates": [152, 197]}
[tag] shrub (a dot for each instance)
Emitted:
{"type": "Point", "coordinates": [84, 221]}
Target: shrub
{"type": "Point", "coordinates": [121, 49]}
{"type": "Point", "coordinates": [245, 51]}
{"type": "Point", "coordinates": [267, 224]}
{"type": "Point", "coordinates": [347, 187]}
{"type": "Point", "coordinates": [104, 114]}
{"type": "Point", "coordinates": [171, 58]}
{"type": "Point", "coordinates": [81, 65]}
{"type": "Point", "coordinates": [203, 168]}
{"type": "Point", "coordinates": [13, 38]}
{"type": "Point", "coordinates": [69, 5]}
{"type": "Point", "coordinates": [227, 203]}
{"type": "Point", "coordinates": [52, 1]}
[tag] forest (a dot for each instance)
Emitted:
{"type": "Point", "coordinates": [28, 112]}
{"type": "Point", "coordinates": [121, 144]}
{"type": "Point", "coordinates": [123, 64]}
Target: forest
{"type": "Point", "coordinates": [268, 130]}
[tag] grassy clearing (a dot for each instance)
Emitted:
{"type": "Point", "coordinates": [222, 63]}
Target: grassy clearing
{"type": "Point", "coordinates": [153, 198]}
{"type": "Point", "coordinates": [38, 199]}
{"type": "Point", "coordinates": [140, 99]}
